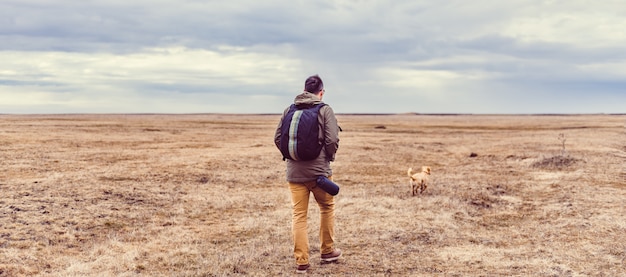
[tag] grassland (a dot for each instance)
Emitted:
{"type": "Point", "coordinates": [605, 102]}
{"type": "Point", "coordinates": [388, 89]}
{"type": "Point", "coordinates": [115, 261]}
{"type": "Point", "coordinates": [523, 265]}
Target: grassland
{"type": "Point", "coordinates": [204, 195]}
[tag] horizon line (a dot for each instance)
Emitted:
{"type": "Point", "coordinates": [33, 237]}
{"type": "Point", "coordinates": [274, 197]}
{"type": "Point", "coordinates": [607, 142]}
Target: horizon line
{"type": "Point", "coordinates": [348, 114]}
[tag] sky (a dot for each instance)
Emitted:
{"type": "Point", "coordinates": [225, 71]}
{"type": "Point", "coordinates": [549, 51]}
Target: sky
{"type": "Point", "coordinates": [375, 56]}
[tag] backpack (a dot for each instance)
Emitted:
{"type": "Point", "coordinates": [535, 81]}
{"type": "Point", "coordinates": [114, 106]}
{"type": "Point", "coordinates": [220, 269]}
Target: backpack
{"type": "Point", "coordinates": [299, 133]}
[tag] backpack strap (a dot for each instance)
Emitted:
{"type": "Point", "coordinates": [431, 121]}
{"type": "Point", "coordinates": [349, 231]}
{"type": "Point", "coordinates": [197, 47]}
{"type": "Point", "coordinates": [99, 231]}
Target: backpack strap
{"type": "Point", "coordinates": [309, 106]}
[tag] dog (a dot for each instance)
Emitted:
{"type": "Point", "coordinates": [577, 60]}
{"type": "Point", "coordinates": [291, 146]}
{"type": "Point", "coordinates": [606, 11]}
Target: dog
{"type": "Point", "coordinates": [418, 181]}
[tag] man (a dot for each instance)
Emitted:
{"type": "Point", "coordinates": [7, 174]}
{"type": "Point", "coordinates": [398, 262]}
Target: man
{"type": "Point", "coordinates": [302, 176]}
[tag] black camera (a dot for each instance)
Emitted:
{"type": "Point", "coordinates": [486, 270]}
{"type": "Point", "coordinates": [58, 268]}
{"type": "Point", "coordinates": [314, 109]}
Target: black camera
{"type": "Point", "coordinates": [327, 185]}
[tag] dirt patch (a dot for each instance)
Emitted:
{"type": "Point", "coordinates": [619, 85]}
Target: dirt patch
{"type": "Point", "coordinates": [555, 162]}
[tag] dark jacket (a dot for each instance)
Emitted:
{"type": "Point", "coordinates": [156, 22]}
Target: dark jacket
{"type": "Point", "coordinates": [306, 171]}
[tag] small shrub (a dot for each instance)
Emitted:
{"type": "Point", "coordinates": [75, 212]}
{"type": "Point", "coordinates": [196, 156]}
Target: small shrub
{"type": "Point", "coordinates": [560, 161]}
{"type": "Point", "coordinates": [555, 162]}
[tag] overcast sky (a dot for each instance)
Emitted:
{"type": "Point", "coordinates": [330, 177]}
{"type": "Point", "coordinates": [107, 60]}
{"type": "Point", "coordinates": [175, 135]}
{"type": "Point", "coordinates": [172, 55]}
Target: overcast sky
{"type": "Point", "coordinates": [195, 56]}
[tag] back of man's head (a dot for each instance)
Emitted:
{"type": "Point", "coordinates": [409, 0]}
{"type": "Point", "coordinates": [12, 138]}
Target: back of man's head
{"type": "Point", "coordinates": [314, 84]}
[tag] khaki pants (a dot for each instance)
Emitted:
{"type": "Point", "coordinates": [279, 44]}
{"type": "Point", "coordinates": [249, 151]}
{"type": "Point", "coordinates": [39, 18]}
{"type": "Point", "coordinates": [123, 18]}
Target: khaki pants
{"type": "Point", "coordinates": [300, 200]}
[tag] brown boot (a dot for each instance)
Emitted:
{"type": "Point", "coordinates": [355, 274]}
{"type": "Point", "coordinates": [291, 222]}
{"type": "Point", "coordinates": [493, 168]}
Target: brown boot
{"type": "Point", "coordinates": [332, 256]}
{"type": "Point", "coordinates": [302, 268]}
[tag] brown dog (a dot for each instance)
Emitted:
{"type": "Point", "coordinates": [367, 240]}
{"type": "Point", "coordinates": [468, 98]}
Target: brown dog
{"type": "Point", "coordinates": [418, 180]}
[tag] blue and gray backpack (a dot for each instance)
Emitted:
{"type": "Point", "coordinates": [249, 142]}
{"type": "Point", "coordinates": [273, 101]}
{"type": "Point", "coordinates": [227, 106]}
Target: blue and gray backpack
{"type": "Point", "coordinates": [299, 133]}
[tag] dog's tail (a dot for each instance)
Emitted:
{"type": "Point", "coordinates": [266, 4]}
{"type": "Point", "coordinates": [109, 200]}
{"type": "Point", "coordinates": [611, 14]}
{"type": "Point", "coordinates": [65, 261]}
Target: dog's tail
{"type": "Point", "coordinates": [409, 172]}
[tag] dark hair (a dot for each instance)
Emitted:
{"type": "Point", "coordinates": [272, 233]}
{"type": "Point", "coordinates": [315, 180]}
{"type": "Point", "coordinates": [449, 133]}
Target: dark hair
{"type": "Point", "coordinates": [313, 84]}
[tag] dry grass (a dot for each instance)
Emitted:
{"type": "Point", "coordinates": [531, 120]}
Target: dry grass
{"type": "Point", "coordinates": [204, 195]}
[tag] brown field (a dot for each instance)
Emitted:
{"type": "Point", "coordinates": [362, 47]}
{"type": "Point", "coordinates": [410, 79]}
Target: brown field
{"type": "Point", "coordinates": [204, 195]}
